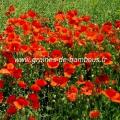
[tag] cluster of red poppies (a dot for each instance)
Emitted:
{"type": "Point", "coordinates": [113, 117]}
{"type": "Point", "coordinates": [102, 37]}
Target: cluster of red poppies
{"type": "Point", "coordinates": [29, 37]}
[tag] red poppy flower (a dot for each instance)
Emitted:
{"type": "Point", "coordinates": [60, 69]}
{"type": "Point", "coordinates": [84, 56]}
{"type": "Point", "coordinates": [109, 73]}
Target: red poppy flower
{"type": "Point", "coordinates": [36, 105]}
{"type": "Point", "coordinates": [14, 47]}
{"type": "Point", "coordinates": [23, 16]}
{"type": "Point", "coordinates": [77, 34]}
{"type": "Point", "coordinates": [20, 103]}
{"type": "Point", "coordinates": [117, 23]}
{"type": "Point", "coordinates": [107, 27]}
{"type": "Point", "coordinates": [33, 97]}
{"type": "Point", "coordinates": [9, 29]}
{"type": "Point", "coordinates": [19, 22]}
{"type": "Point", "coordinates": [94, 114]}
{"type": "Point", "coordinates": [34, 46]}
{"type": "Point", "coordinates": [74, 20]}
{"type": "Point", "coordinates": [44, 53]}
{"type": "Point", "coordinates": [35, 88]}
{"type": "Point", "coordinates": [99, 38]}
{"type": "Point", "coordinates": [5, 71]}
{"type": "Point", "coordinates": [40, 54]}
{"type": "Point", "coordinates": [22, 84]}
{"type": "Point", "coordinates": [24, 48]}
{"type": "Point", "coordinates": [89, 84]}
{"type": "Point", "coordinates": [65, 38]}
{"type": "Point", "coordinates": [12, 37]}
{"type": "Point", "coordinates": [7, 54]}
{"type": "Point", "coordinates": [60, 16]}
{"type": "Point", "coordinates": [53, 64]}
{"type": "Point", "coordinates": [112, 94]}
{"type": "Point", "coordinates": [36, 24]}
{"type": "Point", "coordinates": [106, 58]}
{"type": "Point", "coordinates": [1, 84]}
{"type": "Point", "coordinates": [17, 73]}
{"type": "Point", "coordinates": [70, 43]}
{"type": "Point", "coordinates": [1, 37]}
{"type": "Point", "coordinates": [71, 13]}
{"type": "Point", "coordinates": [48, 75]}
{"type": "Point", "coordinates": [69, 69]}
{"type": "Point", "coordinates": [1, 97]}
{"type": "Point", "coordinates": [11, 99]}
{"type": "Point", "coordinates": [31, 14]}
{"type": "Point", "coordinates": [88, 88]}
{"type": "Point", "coordinates": [26, 28]}
{"type": "Point", "coordinates": [11, 60]}
{"type": "Point", "coordinates": [56, 54]}
{"type": "Point", "coordinates": [38, 37]}
{"type": "Point", "coordinates": [32, 118]}
{"type": "Point", "coordinates": [11, 110]}
{"type": "Point", "coordinates": [71, 96]}
{"type": "Point", "coordinates": [83, 28]}
{"type": "Point", "coordinates": [91, 35]}
{"type": "Point", "coordinates": [72, 93]}
{"type": "Point", "coordinates": [86, 91]}
{"type": "Point", "coordinates": [73, 89]}
{"type": "Point", "coordinates": [93, 27]}
{"type": "Point", "coordinates": [102, 79]}
{"type": "Point", "coordinates": [114, 40]}
{"type": "Point", "coordinates": [10, 66]}
{"type": "Point", "coordinates": [116, 98]}
{"type": "Point", "coordinates": [59, 81]}
{"type": "Point", "coordinates": [86, 18]}
{"type": "Point", "coordinates": [52, 39]}
{"type": "Point", "coordinates": [40, 82]}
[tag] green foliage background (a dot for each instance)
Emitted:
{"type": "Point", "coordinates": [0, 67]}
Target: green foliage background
{"type": "Point", "coordinates": [100, 11]}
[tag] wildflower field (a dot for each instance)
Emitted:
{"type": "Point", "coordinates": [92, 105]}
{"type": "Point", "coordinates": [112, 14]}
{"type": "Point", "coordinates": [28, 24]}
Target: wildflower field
{"type": "Point", "coordinates": [60, 60]}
